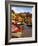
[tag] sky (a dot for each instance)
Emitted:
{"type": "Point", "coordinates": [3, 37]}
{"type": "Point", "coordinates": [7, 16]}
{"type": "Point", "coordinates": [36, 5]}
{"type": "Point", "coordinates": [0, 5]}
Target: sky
{"type": "Point", "coordinates": [22, 9]}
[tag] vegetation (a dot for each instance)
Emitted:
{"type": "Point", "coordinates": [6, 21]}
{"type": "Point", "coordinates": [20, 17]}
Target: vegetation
{"type": "Point", "coordinates": [22, 17]}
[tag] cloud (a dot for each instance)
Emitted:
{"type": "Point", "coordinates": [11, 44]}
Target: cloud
{"type": "Point", "coordinates": [22, 9]}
